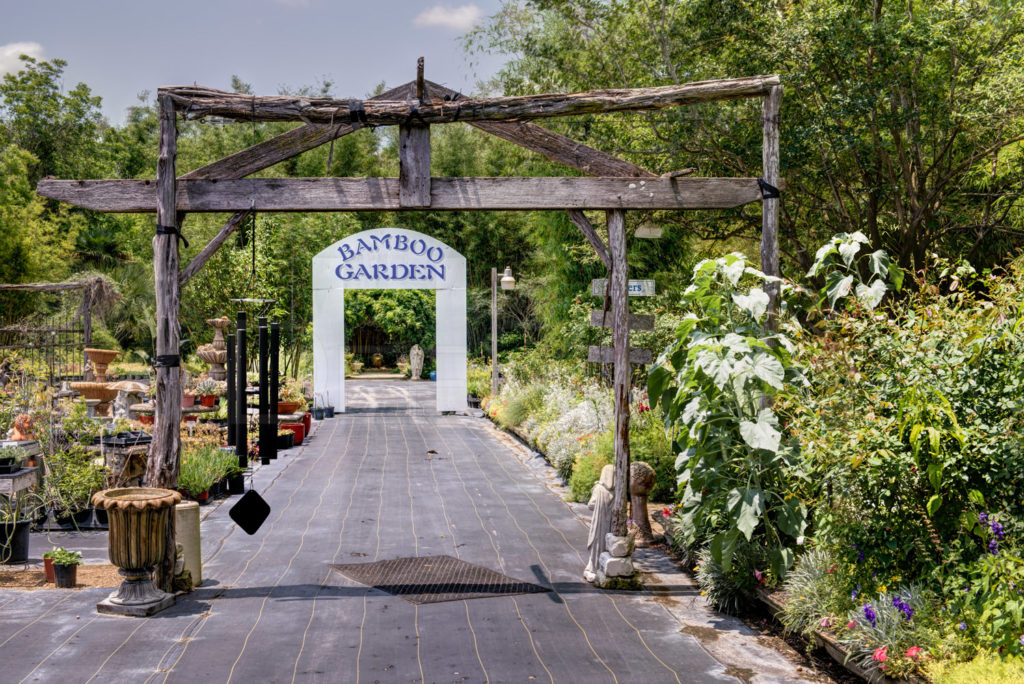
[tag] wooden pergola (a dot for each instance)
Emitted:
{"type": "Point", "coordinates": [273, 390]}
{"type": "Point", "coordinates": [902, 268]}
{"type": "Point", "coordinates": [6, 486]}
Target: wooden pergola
{"type": "Point", "coordinates": [616, 186]}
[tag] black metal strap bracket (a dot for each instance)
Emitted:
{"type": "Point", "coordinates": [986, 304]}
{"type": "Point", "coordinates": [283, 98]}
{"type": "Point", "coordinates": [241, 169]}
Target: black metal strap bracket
{"type": "Point", "coordinates": [768, 191]}
{"type": "Point", "coordinates": [171, 230]}
{"type": "Point", "coordinates": [167, 361]}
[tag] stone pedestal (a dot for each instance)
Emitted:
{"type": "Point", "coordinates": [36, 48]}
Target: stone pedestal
{"type": "Point", "coordinates": [138, 519]}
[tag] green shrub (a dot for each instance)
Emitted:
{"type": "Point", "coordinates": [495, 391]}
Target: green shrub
{"type": "Point", "coordinates": [596, 454]}
{"type": "Point", "coordinates": [815, 590]}
{"type": "Point", "coordinates": [987, 668]}
{"type": "Point", "coordinates": [73, 478]}
{"type": "Point", "coordinates": [478, 378]}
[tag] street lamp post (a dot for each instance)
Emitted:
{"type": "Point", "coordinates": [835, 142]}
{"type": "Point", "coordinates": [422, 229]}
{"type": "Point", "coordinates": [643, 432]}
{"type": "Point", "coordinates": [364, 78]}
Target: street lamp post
{"type": "Point", "coordinates": [507, 283]}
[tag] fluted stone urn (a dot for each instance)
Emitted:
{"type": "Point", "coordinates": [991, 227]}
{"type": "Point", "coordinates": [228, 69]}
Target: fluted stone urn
{"type": "Point", "coordinates": [138, 518]}
{"type": "Point", "coordinates": [216, 353]}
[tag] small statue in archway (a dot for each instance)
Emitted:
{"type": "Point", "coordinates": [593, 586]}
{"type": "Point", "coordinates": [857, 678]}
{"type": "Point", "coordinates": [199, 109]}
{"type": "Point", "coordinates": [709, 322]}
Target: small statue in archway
{"type": "Point", "coordinates": [601, 522]}
{"type": "Point", "coordinates": [416, 361]}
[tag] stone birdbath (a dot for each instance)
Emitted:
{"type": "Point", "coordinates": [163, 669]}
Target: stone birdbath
{"type": "Point", "coordinates": [100, 359]}
{"type": "Point", "coordinates": [216, 353]}
{"type": "Point", "coordinates": [138, 518]}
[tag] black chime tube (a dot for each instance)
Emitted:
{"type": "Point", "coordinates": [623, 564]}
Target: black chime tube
{"type": "Point", "coordinates": [275, 351]}
{"type": "Point", "coordinates": [241, 414]}
{"type": "Point", "coordinates": [264, 410]}
{"type": "Point", "coordinates": [231, 390]}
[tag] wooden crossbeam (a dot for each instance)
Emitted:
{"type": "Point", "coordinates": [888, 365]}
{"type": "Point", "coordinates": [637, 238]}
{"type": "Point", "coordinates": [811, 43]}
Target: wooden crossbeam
{"type": "Point", "coordinates": [554, 146]}
{"type": "Point", "coordinates": [382, 194]}
{"type": "Point", "coordinates": [198, 102]}
{"type": "Point", "coordinates": [289, 144]}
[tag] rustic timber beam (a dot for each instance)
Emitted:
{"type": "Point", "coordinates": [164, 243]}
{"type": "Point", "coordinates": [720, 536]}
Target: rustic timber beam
{"type": "Point", "coordinates": [282, 147]}
{"type": "Point", "coordinates": [414, 166]}
{"type": "Point", "coordinates": [199, 260]}
{"type": "Point", "coordinates": [198, 102]}
{"type": "Point", "coordinates": [618, 291]}
{"type": "Point", "coordinates": [581, 222]}
{"type": "Point", "coordinates": [554, 146]}
{"type": "Point", "coordinates": [770, 207]}
{"type": "Point", "coordinates": [382, 194]}
{"type": "Point", "coordinates": [46, 287]}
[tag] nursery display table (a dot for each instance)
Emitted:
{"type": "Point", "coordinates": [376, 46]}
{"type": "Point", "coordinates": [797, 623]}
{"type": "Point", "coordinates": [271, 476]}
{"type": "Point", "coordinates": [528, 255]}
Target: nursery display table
{"type": "Point", "coordinates": [185, 410]}
{"type": "Point", "coordinates": [12, 483]}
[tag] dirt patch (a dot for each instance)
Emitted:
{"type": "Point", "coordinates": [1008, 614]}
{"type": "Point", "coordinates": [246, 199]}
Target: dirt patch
{"type": "Point", "coordinates": [89, 576]}
{"type": "Point", "coordinates": [705, 634]}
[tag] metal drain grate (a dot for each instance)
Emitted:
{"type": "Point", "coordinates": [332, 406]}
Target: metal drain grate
{"type": "Point", "coordinates": [433, 579]}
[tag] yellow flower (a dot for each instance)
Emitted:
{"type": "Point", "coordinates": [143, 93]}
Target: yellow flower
{"type": "Point", "coordinates": [703, 593]}
{"type": "Point", "coordinates": [881, 589]}
{"type": "Point", "coordinates": [895, 578]}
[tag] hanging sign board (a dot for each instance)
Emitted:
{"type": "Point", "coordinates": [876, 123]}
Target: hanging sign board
{"type": "Point", "coordinates": [637, 288]}
{"type": "Point", "coordinates": [637, 355]}
{"type": "Point", "coordinates": [603, 319]}
{"type": "Point", "coordinates": [648, 231]}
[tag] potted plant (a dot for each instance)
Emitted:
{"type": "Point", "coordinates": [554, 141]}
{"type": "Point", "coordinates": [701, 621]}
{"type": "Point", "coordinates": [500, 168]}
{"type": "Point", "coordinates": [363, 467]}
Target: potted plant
{"type": "Point", "coordinates": [72, 480]}
{"type": "Point", "coordinates": [290, 398]}
{"type": "Point", "coordinates": [48, 566]}
{"type": "Point", "coordinates": [207, 391]}
{"type": "Point", "coordinates": [197, 474]}
{"type": "Point", "coordinates": [298, 429]}
{"type": "Point", "coordinates": [65, 567]}
{"type": "Point", "coordinates": [285, 439]}
{"type": "Point", "coordinates": [17, 511]}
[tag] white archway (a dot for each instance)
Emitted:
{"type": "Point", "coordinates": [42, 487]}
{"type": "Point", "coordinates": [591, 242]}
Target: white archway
{"type": "Point", "coordinates": [389, 259]}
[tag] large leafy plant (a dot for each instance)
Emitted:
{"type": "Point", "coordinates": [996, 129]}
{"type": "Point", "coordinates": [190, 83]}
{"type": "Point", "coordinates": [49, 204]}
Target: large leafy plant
{"type": "Point", "coordinates": [739, 474]}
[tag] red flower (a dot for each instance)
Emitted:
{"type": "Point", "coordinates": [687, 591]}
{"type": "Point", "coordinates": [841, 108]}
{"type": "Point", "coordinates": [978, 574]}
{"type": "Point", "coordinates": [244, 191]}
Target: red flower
{"type": "Point", "coordinates": [665, 512]}
{"type": "Point", "coordinates": [879, 655]}
{"type": "Point", "coordinates": [913, 652]}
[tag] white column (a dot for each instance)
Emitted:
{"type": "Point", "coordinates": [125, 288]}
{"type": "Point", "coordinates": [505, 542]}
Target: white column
{"type": "Point", "coordinates": [329, 344]}
{"type": "Point", "coordinates": [451, 349]}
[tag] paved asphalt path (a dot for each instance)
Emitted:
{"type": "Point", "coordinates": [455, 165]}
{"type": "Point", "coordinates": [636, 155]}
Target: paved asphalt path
{"type": "Point", "coordinates": [389, 479]}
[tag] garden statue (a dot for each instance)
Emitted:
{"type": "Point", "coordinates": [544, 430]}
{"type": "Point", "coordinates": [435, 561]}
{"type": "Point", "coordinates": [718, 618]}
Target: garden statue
{"type": "Point", "coordinates": [377, 360]}
{"type": "Point", "coordinates": [22, 430]}
{"type": "Point", "coordinates": [641, 482]}
{"type": "Point", "coordinates": [416, 361]}
{"type": "Point", "coordinates": [601, 522]}
{"type": "Point", "coordinates": [121, 404]}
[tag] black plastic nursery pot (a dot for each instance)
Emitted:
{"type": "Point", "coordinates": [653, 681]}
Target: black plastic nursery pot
{"type": "Point", "coordinates": [14, 541]}
{"type": "Point", "coordinates": [328, 411]}
{"type": "Point", "coordinates": [285, 441]}
{"type": "Point", "coordinates": [236, 484]}
{"type": "Point", "coordinates": [318, 414]}
{"type": "Point", "coordinates": [73, 520]}
{"type": "Point", "coordinates": [65, 576]}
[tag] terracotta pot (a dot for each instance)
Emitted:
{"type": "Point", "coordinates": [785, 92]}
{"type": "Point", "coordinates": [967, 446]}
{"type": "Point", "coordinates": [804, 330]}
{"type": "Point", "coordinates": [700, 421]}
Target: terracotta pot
{"type": "Point", "coordinates": [287, 406]}
{"type": "Point", "coordinates": [208, 399]}
{"type": "Point", "coordinates": [48, 569]}
{"type": "Point", "coordinates": [146, 418]}
{"type": "Point", "coordinates": [188, 400]}
{"type": "Point", "coordinates": [299, 429]}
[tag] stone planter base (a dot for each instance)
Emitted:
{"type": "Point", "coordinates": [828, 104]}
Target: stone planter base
{"type": "Point", "coordinates": [136, 597]}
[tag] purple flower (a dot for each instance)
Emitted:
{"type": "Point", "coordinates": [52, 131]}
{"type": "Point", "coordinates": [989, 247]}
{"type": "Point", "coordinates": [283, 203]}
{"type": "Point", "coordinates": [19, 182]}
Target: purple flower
{"type": "Point", "coordinates": [853, 594]}
{"type": "Point", "coordinates": [869, 614]}
{"type": "Point", "coordinates": [997, 529]}
{"type": "Point", "coordinates": [1022, 639]}
{"type": "Point", "coordinates": [860, 556]}
{"type": "Point", "coordinates": [982, 518]}
{"type": "Point", "coordinates": [962, 626]}
{"type": "Point", "coordinates": [902, 605]}
{"type": "Point", "coordinates": [993, 547]}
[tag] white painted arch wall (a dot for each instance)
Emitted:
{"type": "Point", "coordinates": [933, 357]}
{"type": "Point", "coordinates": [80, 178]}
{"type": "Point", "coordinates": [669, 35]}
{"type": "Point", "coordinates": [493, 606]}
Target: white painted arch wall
{"type": "Point", "coordinates": [386, 259]}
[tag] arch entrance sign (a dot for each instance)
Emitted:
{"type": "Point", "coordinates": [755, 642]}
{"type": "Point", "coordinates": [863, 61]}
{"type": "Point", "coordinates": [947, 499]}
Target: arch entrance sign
{"type": "Point", "coordinates": [389, 259]}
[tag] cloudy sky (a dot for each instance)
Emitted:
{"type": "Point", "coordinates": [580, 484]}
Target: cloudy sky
{"type": "Point", "coordinates": [121, 48]}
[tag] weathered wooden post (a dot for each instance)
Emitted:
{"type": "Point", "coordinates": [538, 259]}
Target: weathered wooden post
{"type": "Point", "coordinates": [618, 290]}
{"type": "Point", "coordinates": [770, 201]}
{"type": "Point", "coordinates": [162, 467]}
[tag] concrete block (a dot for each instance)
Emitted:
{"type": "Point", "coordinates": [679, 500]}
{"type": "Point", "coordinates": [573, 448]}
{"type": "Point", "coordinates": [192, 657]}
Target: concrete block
{"type": "Point", "coordinates": [616, 567]}
{"type": "Point", "coordinates": [619, 547]}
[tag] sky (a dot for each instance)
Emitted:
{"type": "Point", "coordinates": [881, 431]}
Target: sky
{"type": "Point", "coordinates": [123, 48]}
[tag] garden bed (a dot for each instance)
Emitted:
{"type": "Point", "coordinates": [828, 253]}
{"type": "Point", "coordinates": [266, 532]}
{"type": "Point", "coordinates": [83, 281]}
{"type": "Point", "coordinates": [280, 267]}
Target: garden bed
{"type": "Point", "coordinates": [88, 577]}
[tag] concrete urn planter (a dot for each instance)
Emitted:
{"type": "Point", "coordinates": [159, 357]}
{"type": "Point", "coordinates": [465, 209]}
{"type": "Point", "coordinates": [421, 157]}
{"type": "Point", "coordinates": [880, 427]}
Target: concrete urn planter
{"type": "Point", "coordinates": [138, 518]}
